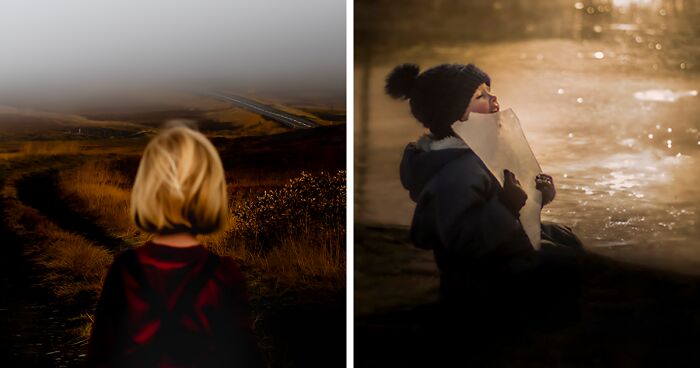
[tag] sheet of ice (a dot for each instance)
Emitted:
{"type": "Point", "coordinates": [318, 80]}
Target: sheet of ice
{"type": "Point", "coordinates": [499, 141]}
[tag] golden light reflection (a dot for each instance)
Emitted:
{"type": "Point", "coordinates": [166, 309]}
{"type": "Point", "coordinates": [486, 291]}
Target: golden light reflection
{"type": "Point", "coordinates": [663, 95]}
{"type": "Point", "coordinates": [626, 3]}
{"type": "Point", "coordinates": [636, 172]}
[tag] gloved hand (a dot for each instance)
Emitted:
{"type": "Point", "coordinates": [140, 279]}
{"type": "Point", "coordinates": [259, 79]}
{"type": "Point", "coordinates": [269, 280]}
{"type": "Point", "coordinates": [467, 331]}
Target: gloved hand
{"type": "Point", "coordinates": [545, 184]}
{"type": "Point", "coordinates": [512, 195]}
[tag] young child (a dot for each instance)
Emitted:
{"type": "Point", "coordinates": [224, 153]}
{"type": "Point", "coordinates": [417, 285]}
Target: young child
{"type": "Point", "coordinates": [172, 302]}
{"type": "Point", "coordinates": [462, 213]}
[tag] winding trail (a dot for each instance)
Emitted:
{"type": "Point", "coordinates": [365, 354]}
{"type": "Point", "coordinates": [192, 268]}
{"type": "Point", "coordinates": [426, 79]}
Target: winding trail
{"type": "Point", "coordinates": [41, 192]}
{"type": "Point", "coordinates": [35, 325]}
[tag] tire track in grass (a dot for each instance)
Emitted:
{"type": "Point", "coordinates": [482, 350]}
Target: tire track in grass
{"type": "Point", "coordinates": [41, 192]}
{"type": "Point", "coordinates": [33, 325]}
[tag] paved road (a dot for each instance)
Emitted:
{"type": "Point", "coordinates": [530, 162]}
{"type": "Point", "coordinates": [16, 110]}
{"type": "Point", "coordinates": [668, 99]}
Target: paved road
{"type": "Point", "coordinates": [286, 119]}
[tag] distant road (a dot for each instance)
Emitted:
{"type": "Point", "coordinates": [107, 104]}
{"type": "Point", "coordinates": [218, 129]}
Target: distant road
{"type": "Point", "coordinates": [286, 119]}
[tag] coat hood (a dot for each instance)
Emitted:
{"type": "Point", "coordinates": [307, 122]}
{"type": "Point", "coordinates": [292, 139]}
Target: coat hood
{"type": "Point", "coordinates": [425, 158]}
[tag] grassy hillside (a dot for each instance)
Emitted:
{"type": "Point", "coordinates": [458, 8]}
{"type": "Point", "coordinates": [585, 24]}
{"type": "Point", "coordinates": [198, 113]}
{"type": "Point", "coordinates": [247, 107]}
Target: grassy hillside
{"type": "Point", "coordinates": [66, 180]}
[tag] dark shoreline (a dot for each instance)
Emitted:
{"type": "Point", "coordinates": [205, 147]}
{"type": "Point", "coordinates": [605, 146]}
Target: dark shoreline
{"type": "Point", "coordinates": [631, 316]}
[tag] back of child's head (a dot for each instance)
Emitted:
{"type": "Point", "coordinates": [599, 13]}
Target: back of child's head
{"type": "Point", "coordinates": [180, 184]}
{"type": "Point", "coordinates": [439, 96]}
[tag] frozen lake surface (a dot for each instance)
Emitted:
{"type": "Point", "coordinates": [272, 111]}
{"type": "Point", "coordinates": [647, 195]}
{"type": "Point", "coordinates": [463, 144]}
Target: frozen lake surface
{"type": "Point", "coordinates": [609, 105]}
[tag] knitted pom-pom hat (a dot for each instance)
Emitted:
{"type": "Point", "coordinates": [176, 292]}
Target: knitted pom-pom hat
{"type": "Point", "coordinates": [438, 96]}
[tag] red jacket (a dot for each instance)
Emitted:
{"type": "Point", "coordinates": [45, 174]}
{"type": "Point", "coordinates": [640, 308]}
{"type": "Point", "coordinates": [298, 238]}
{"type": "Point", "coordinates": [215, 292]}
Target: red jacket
{"type": "Point", "coordinates": [163, 306]}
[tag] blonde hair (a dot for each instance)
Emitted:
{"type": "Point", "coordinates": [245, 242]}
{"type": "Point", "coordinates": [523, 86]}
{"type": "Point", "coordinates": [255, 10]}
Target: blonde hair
{"type": "Point", "coordinates": [180, 184]}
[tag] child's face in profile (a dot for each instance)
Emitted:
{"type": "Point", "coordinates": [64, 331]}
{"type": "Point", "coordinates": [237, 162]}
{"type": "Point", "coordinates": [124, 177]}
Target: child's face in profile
{"type": "Point", "coordinates": [482, 102]}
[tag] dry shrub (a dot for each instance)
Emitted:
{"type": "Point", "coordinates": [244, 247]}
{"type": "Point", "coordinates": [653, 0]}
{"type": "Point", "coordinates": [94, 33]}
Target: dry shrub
{"type": "Point", "coordinates": [317, 201]}
{"type": "Point", "coordinates": [237, 180]}
{"type": "Point", "coordinates": [296, 233]}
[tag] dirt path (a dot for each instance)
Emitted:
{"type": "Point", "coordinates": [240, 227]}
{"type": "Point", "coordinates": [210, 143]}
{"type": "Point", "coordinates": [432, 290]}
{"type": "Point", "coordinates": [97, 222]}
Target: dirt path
{"type": "Point", "coordinates": [35, 325]}
{"type": "Point", "coordinates": [40, 191]}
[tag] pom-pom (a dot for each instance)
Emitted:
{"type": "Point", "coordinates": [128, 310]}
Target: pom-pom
{"type": "Point", "coordinates": [400, 81]}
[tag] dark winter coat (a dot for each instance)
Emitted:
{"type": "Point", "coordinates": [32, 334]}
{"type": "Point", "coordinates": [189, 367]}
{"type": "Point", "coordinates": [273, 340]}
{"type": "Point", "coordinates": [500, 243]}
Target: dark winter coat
{"type": "Point", "coordinates": [458, 213]}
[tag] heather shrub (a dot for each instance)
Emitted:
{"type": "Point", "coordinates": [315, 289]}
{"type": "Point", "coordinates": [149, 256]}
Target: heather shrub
{"type": "Point", "coordinates": [312, 203]}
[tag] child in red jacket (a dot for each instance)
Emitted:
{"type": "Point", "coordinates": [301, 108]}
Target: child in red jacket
{"type": "Point", "coordinates": [172, 302]}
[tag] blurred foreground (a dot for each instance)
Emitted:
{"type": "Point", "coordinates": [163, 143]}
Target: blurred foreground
{"type": "Point", "coordinates": [625, 316]}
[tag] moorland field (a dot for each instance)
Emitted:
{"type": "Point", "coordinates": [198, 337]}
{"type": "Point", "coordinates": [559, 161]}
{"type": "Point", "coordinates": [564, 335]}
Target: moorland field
{"type": "Point", "coordinates": [65, 179]}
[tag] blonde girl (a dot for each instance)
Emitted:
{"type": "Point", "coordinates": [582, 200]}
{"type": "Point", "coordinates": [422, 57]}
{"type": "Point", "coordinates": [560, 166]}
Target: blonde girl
{"type": "Point", "coordinates": [172, 302]}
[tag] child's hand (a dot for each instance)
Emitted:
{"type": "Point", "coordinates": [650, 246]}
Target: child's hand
{"type": "Point", "coordinates": [545, 184]}
{"type": "Point", "coordinates": [512, 195]}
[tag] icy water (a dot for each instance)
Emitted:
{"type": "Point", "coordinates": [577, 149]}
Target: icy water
{"type": "Point", "coordinates": [607, 96]}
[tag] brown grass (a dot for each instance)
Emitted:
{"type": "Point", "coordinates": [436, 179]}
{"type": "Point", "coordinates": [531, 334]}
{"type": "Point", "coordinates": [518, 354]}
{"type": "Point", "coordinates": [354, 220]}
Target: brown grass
{"type": "Point", "coordinates": [311, 259]}
{"type": "Point", "coordinates": [298, 112]}
{"type": "Point", "coordinates": [307, 258]}
{"type": "Point", "coordinates": [285, 106]}
{"type": "Point", "coordinates": [245, 122]}
{"type": "Point", "coordinates": [105, 195]}
{"type": "Point", "coordinates": [51, 148]}
{"type": "Point", "coordinates": [73, 268]}
{"type": "Point", "coordinates": [5, 156]}
{"type": "Point", "coordinates": [15, 150]}
{"type": "Point", "coordinates": [73, 265]}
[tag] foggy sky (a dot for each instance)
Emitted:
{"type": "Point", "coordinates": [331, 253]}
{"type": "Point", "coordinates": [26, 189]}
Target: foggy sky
{"type": "Point", "coordinates": [266, 41]}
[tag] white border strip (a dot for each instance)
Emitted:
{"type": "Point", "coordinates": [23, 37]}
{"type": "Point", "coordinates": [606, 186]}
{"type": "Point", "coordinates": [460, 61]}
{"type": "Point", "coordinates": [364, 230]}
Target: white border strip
{"type": "Point", "coordinates": [350, 187]}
